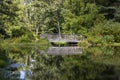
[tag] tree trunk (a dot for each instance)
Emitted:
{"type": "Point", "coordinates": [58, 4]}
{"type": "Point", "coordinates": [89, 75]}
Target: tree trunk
{"type": "Point", "coordinates": [36, 29]}
{"type": "Point", "coordinates": [59, 31]}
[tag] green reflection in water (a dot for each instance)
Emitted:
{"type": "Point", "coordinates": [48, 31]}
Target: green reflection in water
{"type": "Point", "coordinates": [95, 63]}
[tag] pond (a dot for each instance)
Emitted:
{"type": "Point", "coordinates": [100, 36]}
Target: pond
{"type": "Point", "coordinates": [60, 63]}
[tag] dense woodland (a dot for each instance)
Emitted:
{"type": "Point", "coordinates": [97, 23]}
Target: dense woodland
{"type": "Point", "coordinates": [21, 21]}
{"type": "Point", "coordinates": [97, 20]}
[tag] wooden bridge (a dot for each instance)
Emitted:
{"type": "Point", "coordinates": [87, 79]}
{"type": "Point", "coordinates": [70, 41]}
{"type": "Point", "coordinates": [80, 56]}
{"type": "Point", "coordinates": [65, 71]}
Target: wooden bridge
{"type": "Point", "coordinates": [62, 38]}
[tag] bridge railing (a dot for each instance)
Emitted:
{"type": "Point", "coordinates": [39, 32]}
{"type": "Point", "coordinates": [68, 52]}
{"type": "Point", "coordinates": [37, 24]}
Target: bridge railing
{"type": "Point", "coordinates": [63, 36]}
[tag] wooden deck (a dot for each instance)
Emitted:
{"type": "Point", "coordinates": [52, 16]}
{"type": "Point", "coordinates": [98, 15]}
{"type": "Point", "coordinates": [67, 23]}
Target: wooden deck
{"type": "Point", "coordinates": [62, 38]}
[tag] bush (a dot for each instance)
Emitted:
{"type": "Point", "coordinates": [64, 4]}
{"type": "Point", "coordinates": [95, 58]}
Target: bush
{"type": "Point", "coordinates": [84, 43]}
{"type": "Point", "coordinates": [19, 32]}
{"type": "Point", "coordinates": [109, 29]}
{"type": "Point", "coordinates": [109, 38]}
{"type": "Point", "coordinates": [94, 40]}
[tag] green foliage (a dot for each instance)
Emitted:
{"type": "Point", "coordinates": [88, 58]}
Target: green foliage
{"type": "Point", "coordinates": [19, 32]}
{"type": "Point", "coordinates": [89, 18]}
{"type": "Point", "coordinates": [84, 44]}
{"type": "Point", "coordinates": [95, 40]}
{"type": "Point", "coordinates": [10, 18]}
{"type": "Point", "coordinates": [109, 38]}
{"type": "Point", "coordinates": [79, 17]}
{"type": "Point", "coordinates": [109, 30]}
{"type": "Point", "coordinates": [100, 40]}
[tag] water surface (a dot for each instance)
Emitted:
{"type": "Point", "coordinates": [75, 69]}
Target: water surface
{"type": "Point", "coordinates": [61, 63]}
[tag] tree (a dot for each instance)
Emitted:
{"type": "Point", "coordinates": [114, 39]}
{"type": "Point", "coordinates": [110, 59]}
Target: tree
{"type": "Point", "coordinates": [46, 16]}
{"type": "Point", "coordinates": [10, 16]}
{"type": "Point", "coordinates": [79, 15]}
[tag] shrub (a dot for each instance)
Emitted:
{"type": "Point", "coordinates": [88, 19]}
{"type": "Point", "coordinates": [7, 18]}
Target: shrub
{"type": "Point", "coordinates": [109, 38]}
{"type": "Point", "coordinates": [94, 40]}
{"type": "Point", "coordinates": [84, 43]}
{"type": "Point", "coordinates": [19, 32]}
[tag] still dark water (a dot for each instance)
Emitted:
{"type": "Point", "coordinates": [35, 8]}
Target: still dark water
{"type": "Point", "coordinates": [60, 63]}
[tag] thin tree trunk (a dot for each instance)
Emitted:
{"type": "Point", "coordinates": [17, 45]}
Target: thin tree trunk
{"type": "Point", "coordinates": [59, 31]}
{"type": "Point", "coordinates": [27, 57]}
{"type": "Point", "coordinates": [36, 29]}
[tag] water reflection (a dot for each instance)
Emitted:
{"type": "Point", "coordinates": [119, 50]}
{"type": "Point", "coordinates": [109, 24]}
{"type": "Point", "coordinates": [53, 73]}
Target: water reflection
{"type": "Point", "coordinates": [94, 63]}
{"type": "Point", "coordinates": [69, 50]}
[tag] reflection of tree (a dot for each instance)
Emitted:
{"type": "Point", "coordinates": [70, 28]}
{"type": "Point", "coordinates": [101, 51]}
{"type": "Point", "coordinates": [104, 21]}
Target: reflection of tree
{"type": "Point", "coordinates": [82, 68]}
{"type": "Point", "coordinates": [73, 68]}
{"type": "Point", "coordinates": [3, 59]}
{"type": "Point", "coordinates": [16, 53]}
{"type": "Point", "coordinates": [3, 62]}
{"type": "Point", "coordinates": [107, 55]}
{"type": "Point", "coordinates": [97, 51]}
{"type": "Point", "coordinates": [47, 67]}
{"type": "Point", "coordinates": [78, 67]}
{"type": "Point", "coordinates": [86, 66]}
{"type": "Point", "coordinates": [110, 58]}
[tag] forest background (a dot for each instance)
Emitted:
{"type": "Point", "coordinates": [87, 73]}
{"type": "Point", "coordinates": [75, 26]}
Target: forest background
{"type": "Point", "coordinates": [97, 20]}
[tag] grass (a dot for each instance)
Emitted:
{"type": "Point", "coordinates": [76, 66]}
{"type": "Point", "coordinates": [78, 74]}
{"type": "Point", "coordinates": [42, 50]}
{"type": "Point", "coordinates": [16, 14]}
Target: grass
{"type": "Point", "coordinates": [60, 43]}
